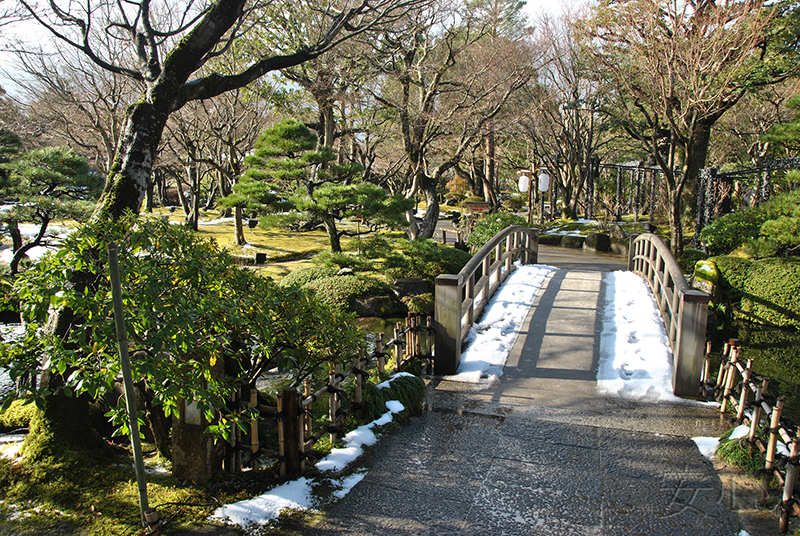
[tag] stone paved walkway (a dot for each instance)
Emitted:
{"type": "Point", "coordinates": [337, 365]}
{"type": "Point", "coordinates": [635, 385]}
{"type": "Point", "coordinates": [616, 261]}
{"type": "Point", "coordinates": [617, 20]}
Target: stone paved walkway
{"type": "Point", "coordinates": [539, 452]}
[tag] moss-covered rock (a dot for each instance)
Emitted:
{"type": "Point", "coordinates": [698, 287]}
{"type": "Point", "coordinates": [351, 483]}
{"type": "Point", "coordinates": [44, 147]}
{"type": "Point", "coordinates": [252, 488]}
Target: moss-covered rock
{"type": "Point", "coordinates": [597, 242]}
{"type": "Point", "coordinates": [706, 277]}
{"type": "Point", "coordinates": [571, 241]}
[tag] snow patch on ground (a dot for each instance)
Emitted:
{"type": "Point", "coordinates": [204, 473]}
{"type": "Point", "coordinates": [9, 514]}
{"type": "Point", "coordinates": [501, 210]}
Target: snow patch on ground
{"type": "Point", "coordinates": [707, 446]}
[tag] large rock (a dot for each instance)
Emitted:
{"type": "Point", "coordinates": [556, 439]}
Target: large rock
{"type": "Point", "coordinates": [619, 240]}
{"type": "Point", "coordinates": [382, 306]}
{"type": "Point", "coordinates": [597, 242]}
{"type": "Point", "coordinates": [571, 241]}
{"type": "Point", "coordinates": [410, 287]}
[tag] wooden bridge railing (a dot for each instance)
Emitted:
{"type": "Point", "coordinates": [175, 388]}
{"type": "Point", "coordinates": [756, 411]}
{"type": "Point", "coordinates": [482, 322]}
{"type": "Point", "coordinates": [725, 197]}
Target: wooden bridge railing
{"type": "Point", "coordinates": [460, 298]}
{"type": "Point", "coordinates": [683, 308]}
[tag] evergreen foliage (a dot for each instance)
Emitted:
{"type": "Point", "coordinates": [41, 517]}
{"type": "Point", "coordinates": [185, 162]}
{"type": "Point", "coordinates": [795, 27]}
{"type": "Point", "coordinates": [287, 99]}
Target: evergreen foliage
{"type": "Point", "coordinates": [491, 224]}
{"type": "Point", "coordinates": [301, 184]}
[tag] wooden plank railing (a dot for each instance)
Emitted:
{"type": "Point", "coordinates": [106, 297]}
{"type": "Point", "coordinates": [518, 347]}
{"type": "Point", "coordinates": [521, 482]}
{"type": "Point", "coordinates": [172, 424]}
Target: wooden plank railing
{"type": "Point", "coordinates": [293, 414]}
{"type": "Point", "coordinates": [460, 298]}
{"type": "Point", "coordinates": [764, 421]}
{"type": "Point", "coordinates": [683, 309]}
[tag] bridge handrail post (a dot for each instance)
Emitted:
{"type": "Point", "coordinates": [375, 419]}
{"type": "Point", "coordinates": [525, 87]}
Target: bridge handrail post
{"type": "Point", "coordinates": [447, 316]}
{"type": "Point", "coordinates": [690, 341]}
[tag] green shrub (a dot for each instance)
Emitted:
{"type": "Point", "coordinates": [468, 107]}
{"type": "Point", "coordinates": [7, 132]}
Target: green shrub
{"type": "Point", "coordinates": [301, 276]}
{"type": "Point", "coordinates": [514, 203]}
{"type": "Point", "coordinates": [422, 304]}
{"type": "Point", "coordinates": [425, 259]}
{"type": "Point", "coordinates": [733, 273]}
{"type": "Point", "coordinates": [690, 258]}
{"type": "Point", "coordinates": [732, 230]}
{"type": "Point", "coordinates": [490, 225]}
{"type": "Point", "coordinates": [773, 229]}
{"type": "Point", "coordinates": [337, 261]}
{"type": "Point", "coordinates": [772, 292]}
{"type": "Point", "coordinates": [17, 416]}
{"type": "Point", "coordinates": [340, 292]}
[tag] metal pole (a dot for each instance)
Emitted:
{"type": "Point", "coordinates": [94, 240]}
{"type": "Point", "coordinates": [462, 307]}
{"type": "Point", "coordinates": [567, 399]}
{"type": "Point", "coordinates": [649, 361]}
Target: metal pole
{"type": "Point", "coordinates": [130, 400]}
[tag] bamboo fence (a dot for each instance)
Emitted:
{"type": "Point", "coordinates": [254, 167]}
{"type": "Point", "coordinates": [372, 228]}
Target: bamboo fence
{"type": "Point", "coordinates": [293, 415]}
{"type": "Point", "coordinates": [764, 421]}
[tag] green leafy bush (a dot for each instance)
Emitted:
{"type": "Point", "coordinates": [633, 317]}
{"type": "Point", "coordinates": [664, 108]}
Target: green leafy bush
{"type": "Point", "coordinates": [490, 225]}
{"type": "Point", "coordinates": [733, 273]}
{"type": "Point", "coordinates": [514, 203]}
{"type": "Point", "coordinates": [301, 276]}
{"type": "Point", "coordinates": [772, 292]}
{"type": "Point", "coordinates": [425, 259]}
{"type": "Point", "coordinates": [188, 310]}
{"type": "Point", "coordinates": [732, 230]}
{"type": "Point", "coordinates": [773, 229]}
{"type": "Point", "coordinates": [340, 292]}
{"type": "Point", "coordinates": [690, 258]}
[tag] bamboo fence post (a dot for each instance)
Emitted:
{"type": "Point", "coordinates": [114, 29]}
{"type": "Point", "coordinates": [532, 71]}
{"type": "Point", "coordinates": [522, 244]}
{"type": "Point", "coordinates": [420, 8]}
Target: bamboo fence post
{"type": "Point", "coordinates": [381, 356]}
{"type": "Point", "coordinates": [770, 454]}
{"type": "Point", "coordinates": [428, 346]}
{"type": "Point", "coordinates": [357, 363]}
{"type": "Point", "coordinates": [418, 335]}
{"type": "Point", "coordinates": [238, 432]}
{"type": "Point", "coordinates": [788, 486]}
{"type": "Point", "coordinates": [332, 404]}
{"type": "Point", "coordinates": [308, 424]}
{"type": "Point", "coordinates": [281, 437]}
{"type": "Point", "coordinates": [748, 371]}
{"type": "Point", "coordinates": [254, 429]}
{"type": "Point", "coordinates": [398, 358]}
{"type": "Point", "coordinates": [706, 367]}
{"type": "Point", "coordinates": [757, 409]}
{"type": "Point", "coordinates": [409, 349]}
{"type": "Point", "coordinates": [292, 421]}
{"type": "Point", "coordinates": [722, 371]}
{"type": "Point", "coordinates": [444, 236]}
{"type": "Point", "coordinates": [729, 379]}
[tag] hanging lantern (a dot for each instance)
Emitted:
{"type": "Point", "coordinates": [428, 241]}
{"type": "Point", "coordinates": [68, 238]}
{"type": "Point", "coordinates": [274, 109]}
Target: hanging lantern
{"type": "Point", "coordinates": [524, 181]}
{"type": "Point", "coordinates": [544, 180]}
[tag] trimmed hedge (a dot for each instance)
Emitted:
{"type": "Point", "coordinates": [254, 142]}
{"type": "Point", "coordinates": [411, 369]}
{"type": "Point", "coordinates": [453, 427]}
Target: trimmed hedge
{"type": "Point", "coordinates": [772, 292]}
{"type": "Point", "coordinates": [733, 272]}
{"type": "Point", "coordinates": [425, 259]}
{"type": "Point", "coordinates": [302, 276]}
{"type": "Point", "coordinates": [342, 291]}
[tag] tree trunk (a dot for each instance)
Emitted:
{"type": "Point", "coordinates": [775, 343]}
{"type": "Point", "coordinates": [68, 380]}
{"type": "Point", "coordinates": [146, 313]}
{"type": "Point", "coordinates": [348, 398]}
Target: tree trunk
{"type": "Point", "coordinates": [133, 164]}
{"type": "Point", "coordinates": [238, 226]}
{"type": "Point", "coordinates": [333, 235]}
{"type": "Point", "coordinates": [675, 227]}
{"type": "Point", "coordinates": [428, 226]}
{"type": "Point", "coordinates": [490, 173]}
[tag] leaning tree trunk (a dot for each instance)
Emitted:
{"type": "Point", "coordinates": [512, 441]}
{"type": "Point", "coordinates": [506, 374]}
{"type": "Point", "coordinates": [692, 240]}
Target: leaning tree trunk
{"type": "Point", "coordinates": [333, 234]}
{"type": "Point", "coordinates": [126, 185]}
{"type": "Point", "coordinates": [428, 225]}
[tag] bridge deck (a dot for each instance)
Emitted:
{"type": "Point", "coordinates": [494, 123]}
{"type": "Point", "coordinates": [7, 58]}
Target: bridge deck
{"type": "Point", "coordinates": [539, 452]}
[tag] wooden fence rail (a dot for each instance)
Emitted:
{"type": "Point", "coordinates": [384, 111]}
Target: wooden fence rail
{"type": "Point", "coordinates": [683, 308]}
{"type": "Point", "coordinates": [764, 419]}
{"type": "Point", "coordinates": [460, 298]}
{"type": "Point", "coordinates": [293, 413]}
